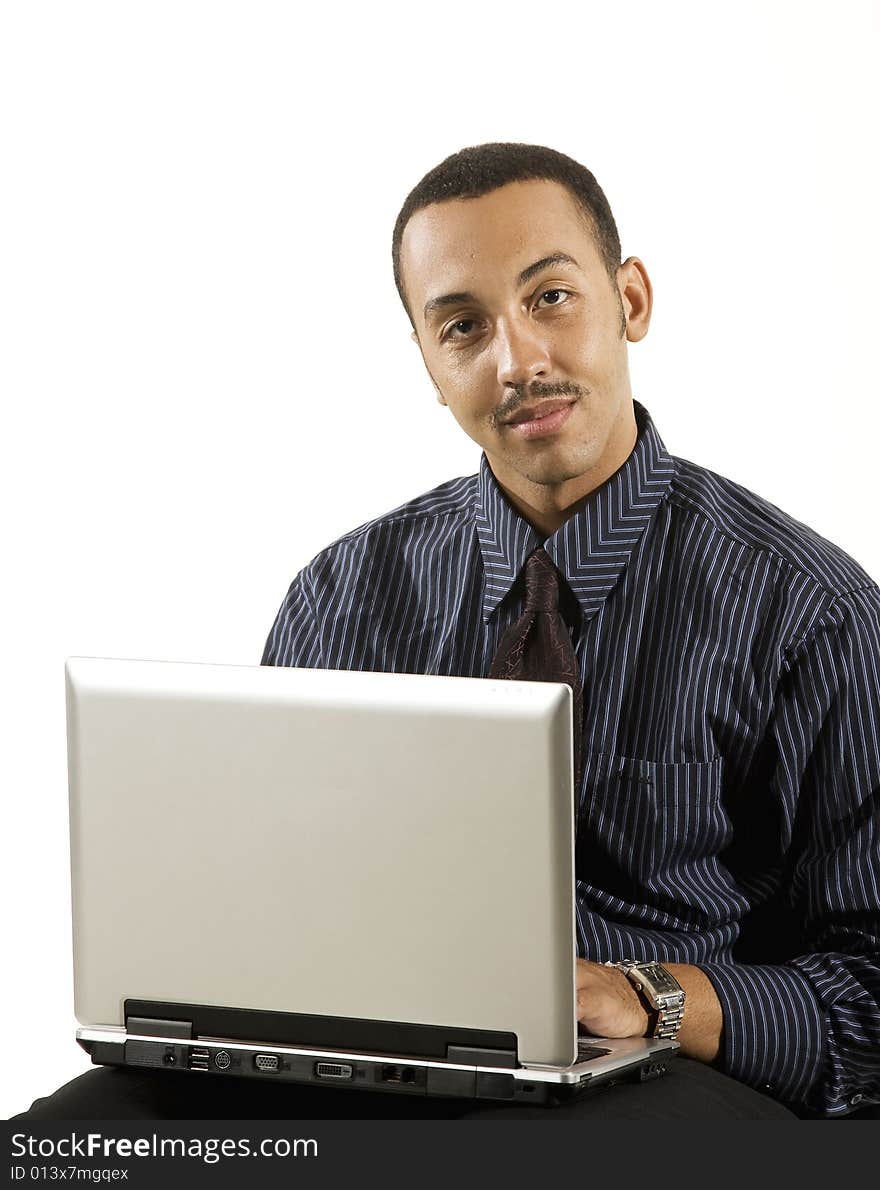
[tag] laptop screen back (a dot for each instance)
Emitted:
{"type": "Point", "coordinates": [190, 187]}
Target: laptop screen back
{"type": "Point", "coordinates": [377, 846]}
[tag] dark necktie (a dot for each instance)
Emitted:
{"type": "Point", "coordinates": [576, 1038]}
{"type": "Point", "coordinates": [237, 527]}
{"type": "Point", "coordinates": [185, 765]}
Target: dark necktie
{"type": "Point", "coordinates": [537, 647]}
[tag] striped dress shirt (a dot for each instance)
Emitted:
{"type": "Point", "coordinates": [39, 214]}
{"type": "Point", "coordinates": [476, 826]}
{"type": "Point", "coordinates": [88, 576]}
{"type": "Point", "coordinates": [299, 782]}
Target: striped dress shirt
{"type": "Point", "coordinates": [729, 808]}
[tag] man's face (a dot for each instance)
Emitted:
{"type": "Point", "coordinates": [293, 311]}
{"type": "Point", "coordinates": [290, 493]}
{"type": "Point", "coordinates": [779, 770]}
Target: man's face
{"type": "Point", "coordinates": [517, 316]}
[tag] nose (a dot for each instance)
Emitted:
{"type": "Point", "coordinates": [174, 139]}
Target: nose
{"type": "Point", "coordinates": [522, 353]}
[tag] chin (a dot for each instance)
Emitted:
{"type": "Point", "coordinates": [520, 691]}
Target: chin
{"type": "Point", "coordinates": [549, 472]}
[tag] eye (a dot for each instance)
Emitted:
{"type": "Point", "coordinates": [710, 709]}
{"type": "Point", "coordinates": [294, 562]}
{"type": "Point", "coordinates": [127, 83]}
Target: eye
{"type": "Point", "coordinates": [556, 296]}
{"type": "Point", "coordinates": [460, 329]}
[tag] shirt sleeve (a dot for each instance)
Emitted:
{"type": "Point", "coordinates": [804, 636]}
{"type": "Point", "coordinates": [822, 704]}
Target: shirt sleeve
{"type": "Point", "coordinates": [295, 638]}
{"type": "Point", "coordinates": [809, 1030]}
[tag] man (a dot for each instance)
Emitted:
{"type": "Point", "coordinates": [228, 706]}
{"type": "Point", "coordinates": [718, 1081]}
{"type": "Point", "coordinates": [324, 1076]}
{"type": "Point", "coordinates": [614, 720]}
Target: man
{"type": "Point", "coordinates": [728, 660]}
{"type": "Point", "coordinates": [729, 656]}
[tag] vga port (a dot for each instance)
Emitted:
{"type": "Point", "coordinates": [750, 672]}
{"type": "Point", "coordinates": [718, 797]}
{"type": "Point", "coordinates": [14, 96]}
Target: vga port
{"type": "Point", "coordinates": [267, 1062]}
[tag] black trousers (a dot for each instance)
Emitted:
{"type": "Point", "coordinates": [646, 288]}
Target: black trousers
{"type": "Point", "coordinates": [689, 1091]}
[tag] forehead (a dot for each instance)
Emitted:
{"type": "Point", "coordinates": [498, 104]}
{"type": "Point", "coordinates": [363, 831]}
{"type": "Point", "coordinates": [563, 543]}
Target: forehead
{"type": "Point", "coordinates": [463, 242]}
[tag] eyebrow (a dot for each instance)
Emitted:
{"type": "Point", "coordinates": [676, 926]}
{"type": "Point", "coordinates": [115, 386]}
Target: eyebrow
{"type": "Point", "coordinates": [546, 262]}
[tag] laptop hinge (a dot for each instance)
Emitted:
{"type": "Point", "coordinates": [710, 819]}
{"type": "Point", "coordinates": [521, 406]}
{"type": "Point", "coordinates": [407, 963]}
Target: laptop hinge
{"type": "Point", "coordinates": [310, 1031]}
{"type": "Point", "coordinates": [468, 1056]}
{"type": "Point", "coordinates": [154, 1027]}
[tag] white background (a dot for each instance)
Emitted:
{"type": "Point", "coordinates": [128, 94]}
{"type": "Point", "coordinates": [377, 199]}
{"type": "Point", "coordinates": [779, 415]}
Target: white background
{"type": "Point", "coordinates": [206, 374]}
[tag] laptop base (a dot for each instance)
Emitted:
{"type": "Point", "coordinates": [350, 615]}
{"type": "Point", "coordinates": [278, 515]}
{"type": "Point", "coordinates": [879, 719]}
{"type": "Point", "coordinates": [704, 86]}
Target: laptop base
{"type": "Point", "coordinates": [220, 1057]}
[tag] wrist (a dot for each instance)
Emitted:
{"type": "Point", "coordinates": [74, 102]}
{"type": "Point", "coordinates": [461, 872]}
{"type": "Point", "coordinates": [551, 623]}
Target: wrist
{"type": "Point", "coordinates": [703, 1026]}
{"type": "Point", "coordinates": [661, 996]}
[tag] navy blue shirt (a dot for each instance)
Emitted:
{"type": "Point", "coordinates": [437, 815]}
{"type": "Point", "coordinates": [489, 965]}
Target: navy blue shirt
{"type": "Point", "coordinates": [729, 809]}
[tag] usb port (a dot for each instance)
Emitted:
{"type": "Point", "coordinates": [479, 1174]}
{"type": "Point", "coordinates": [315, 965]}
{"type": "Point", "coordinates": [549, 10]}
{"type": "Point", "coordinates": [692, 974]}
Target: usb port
{"type": "Point", "coordinates": [198, 1059]}
{"type": "Point", "coordinates": [266, 1062]}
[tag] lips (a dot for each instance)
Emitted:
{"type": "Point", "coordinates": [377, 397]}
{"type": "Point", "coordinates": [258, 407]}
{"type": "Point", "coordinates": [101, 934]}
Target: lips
{"type": "Point", "coordinates": [535, 412]}
{"type": "Point", "coordinates": [554, 416]}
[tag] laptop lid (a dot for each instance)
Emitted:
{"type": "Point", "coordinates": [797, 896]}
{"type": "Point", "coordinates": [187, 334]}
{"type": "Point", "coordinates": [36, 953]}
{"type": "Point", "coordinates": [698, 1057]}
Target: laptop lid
{"type": "Point", "coordinates": [378, 847]}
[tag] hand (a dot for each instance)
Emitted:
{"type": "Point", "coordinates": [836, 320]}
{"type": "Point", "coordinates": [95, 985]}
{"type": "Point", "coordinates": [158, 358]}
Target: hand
{"type": "Point", "coordinates": [609, 1006]}
{"type": "Point", "coordinates": [607, 1003]}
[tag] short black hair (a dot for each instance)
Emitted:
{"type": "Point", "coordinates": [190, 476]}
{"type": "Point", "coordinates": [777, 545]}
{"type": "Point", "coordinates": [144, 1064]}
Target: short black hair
{"type": "Point", "coordinates": [480, 169]}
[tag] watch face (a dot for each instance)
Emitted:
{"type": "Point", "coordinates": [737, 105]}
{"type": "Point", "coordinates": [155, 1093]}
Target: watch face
{"type": "Point", "coordinates": [662, 983]}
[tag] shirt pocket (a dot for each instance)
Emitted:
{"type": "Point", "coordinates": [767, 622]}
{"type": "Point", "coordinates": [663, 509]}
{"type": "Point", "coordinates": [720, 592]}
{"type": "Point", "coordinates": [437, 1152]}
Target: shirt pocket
{"type": "Point", "coordinates": [652, 834]}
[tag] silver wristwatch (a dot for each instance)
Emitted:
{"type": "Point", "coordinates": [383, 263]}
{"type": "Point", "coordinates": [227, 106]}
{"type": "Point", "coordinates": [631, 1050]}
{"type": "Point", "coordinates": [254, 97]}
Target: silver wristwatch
{"type": "Point", "coordinates": [662, 994]}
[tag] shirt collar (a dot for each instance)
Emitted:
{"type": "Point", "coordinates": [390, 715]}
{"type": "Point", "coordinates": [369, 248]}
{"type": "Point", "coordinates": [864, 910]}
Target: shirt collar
{"type": "Point", "coordinates": [592, 547]}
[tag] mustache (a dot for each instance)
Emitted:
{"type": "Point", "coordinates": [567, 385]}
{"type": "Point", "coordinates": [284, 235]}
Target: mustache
{"type": "Point", "coordinates": [520, 394]}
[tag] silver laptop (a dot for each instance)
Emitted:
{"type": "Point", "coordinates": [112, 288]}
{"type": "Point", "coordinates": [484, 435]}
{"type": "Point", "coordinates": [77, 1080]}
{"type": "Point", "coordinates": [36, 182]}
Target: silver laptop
{"type": "Point", "coordinates": [321, 876]}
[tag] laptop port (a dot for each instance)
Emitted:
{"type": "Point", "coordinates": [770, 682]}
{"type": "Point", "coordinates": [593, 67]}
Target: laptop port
{"type": "Point", "coordinates": [266, 1062]}
{"type": "Point", "coordinates": [333, 1070]}
{"type": "Point", "coordinates": [198, 1059]}
{"type": "Point", "coordinates": [397, 1075]}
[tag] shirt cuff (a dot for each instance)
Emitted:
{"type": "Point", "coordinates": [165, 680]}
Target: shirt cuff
{"type": "Point", "coordinates": [774, 1028]}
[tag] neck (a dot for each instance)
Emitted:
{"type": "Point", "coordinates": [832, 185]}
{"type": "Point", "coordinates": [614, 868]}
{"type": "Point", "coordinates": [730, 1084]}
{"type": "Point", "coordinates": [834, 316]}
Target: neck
{"type": "Point", "coordinates": [547, 507]}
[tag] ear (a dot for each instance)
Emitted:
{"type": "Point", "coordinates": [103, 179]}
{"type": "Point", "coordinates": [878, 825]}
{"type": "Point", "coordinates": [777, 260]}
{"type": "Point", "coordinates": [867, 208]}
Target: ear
{"type": "Point", "coordinates": [440, 398]}
{"type": "Point", "coordinates": [637, 296]}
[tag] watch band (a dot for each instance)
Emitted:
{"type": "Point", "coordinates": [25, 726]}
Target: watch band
{"type": "Point", "coordinates": [661, 992]}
